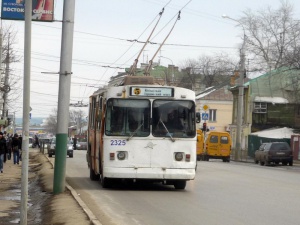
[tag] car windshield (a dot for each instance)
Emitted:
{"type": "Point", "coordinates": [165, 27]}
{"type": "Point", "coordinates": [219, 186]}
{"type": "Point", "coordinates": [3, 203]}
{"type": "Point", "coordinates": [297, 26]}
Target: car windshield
{"type": "Point", "coordinates": [53, 141]}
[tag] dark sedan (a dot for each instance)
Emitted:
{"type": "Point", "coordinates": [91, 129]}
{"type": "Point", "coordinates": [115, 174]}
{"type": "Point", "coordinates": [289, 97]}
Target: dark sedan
{"type": "Point", "coordinates": [274, 152]}
{"type": "Point", "coordinates": [52, 146]}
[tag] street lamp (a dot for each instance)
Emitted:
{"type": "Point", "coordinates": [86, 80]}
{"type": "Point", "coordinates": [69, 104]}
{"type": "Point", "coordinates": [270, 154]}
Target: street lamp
{"type": "Point", "coordinates": [172, 66]}
{"type": "Point", "coordinates": [240, 109]}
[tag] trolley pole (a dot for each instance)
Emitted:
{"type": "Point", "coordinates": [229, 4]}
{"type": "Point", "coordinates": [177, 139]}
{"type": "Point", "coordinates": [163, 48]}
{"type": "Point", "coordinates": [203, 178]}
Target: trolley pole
{"type": "Point", "coordinates": [64, 96]}
{"type": "Point", "coordinates": [26, 110]}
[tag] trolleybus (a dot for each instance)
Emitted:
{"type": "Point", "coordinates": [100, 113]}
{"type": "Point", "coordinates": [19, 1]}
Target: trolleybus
{"type": "Point", "coordinates": [142, 131]}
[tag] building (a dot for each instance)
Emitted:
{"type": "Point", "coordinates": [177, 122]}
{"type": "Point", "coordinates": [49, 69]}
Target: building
{"type": "Point", "coordinates": [270, 100]}
{"type": "Point", "coordinates": [219, 112]}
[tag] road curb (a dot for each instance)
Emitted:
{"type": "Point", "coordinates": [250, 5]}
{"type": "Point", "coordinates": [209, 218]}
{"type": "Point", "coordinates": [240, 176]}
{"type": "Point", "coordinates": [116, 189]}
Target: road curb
{"type": "Point", "coordinates": [93, 219]}
{"type": "Point", "coordinates": [84, 207]}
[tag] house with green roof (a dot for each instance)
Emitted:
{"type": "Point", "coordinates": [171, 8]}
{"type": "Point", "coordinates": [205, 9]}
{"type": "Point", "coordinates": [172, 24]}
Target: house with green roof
{"type": "Point", "coordinates": [274, 100]}
{"type": "Point", "coordinates": [270, 100]}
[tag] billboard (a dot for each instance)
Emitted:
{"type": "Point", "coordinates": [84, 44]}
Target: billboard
{"type": "Point", "coordinates": [42, 10]}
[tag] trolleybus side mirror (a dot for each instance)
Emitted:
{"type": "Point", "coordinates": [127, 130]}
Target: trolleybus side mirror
{"type": "Point", "coordinates": [198, 117]}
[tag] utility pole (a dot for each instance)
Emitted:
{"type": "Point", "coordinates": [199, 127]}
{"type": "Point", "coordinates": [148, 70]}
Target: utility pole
{"type": "Point", "coordinates": [240, 107]}
{"type": "Point", "coordinates": [14, 123]}
{"type": "Point", "coordinates": [1, 62]}
{"type": "Point", "coordinates": [26, 109]}
{"type": "Point", "coordinates": [6, 77]}
{"type": "Point", "coordinates": [172, 66]}
{"type": "Point", "coordinates": [64, 96]}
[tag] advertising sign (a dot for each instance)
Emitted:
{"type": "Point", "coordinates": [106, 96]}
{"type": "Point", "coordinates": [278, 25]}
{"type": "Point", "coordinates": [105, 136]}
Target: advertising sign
{"type": "Point", "coordinates": [42, 10]}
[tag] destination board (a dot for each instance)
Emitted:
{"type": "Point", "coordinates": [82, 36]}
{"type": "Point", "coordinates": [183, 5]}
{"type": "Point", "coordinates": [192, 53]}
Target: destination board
{"type": "Point", "coordinates": [152, 91]}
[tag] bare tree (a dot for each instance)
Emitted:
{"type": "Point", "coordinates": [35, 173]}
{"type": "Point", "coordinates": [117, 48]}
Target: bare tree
{"type": "Point", "coordinates": [272, 37]}
{"type": "Point", "coordinates": [9, 57]}
{"type": "Point", "coordinates": [210, 70]}
{"type": "Point", "coordinates": [51, 122]}
{"type": "Point", "coordinates": [78, 117]}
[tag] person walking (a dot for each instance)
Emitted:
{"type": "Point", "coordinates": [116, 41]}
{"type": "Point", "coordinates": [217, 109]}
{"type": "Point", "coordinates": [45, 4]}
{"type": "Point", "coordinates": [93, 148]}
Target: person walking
{"type": "Point", "coordinates": [37, 143]}
{"type": "Point", "coordinates": [16, 146]}
{"type": "Point", "coordinates": [8, 145]}
{"type": "Point", "coordinates": [3, 150]}
{"type": "Point", "coordinates": [5, 138]}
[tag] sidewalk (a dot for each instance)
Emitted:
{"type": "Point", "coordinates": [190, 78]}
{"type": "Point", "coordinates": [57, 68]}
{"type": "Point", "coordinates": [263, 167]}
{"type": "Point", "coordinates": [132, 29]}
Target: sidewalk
{"type": "Point", "coordinates": [10, 192]}
{"type": "Point", "coordinates": [43, 207]}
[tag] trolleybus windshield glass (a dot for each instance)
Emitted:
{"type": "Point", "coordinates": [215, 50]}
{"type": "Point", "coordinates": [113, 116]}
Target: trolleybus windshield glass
{"type": "Point", "coordinates": [173, 118]}
{"type": "Point", "coordinates": [126, 117]}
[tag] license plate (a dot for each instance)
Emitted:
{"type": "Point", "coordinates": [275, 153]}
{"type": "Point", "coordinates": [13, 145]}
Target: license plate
{"type": "Point", "coordinates": [280, 153]}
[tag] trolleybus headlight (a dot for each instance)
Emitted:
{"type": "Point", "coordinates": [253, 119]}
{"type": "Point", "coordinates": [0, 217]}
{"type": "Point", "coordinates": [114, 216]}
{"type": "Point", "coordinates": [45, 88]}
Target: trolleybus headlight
{"type": "Point", "coordinates": [121, 155]}
{"type": "Point", "coordinates": [178, 156]}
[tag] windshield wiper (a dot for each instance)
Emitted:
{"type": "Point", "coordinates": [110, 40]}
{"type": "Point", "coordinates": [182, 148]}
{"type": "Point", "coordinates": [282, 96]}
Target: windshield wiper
{"type": "Point", "coordinates": [173, 140]}
{"type": "Point", "coordinates": [134, 132]}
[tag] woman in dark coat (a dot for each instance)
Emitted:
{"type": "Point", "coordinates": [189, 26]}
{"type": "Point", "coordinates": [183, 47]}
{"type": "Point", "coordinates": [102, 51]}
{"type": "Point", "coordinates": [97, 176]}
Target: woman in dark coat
{"type": "Point", "coordinates": [16, 146]}
{"type": "Point", "coordinates": [3, 150]}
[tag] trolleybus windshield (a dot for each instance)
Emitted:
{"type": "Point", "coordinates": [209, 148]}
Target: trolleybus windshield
{"type": "Point", "coordinates": [173, 118]}
{"type": "Point", "coordinates": [127, 117]}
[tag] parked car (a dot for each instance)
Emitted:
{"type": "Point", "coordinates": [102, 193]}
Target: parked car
{"type": "Point", "coordinates": [43, 141]}
{"type": "Point", "coordinates": [274, 152]}
{"type": "Point", "coordinates": [52, 146]}
{"type": "Point", "coordinates": [81, 146]}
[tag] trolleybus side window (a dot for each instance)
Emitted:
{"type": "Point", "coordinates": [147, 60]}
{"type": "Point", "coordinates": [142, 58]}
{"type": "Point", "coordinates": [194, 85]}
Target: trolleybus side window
{"type": "Point", "coordinates": [174, 118]}
{"type": "Point", "coordinates": [99, 114]}
{"type": "Point", "coordinates": [126, 117]}
{"type": "Point", "coordinates": [92, 113]}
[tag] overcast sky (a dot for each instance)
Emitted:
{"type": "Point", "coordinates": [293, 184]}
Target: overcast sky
{"type": "Point", "coordinates": [102, 30]}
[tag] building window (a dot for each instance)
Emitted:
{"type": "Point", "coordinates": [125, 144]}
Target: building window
{"type": "Point", "coordinates": [260, 107]}
{"type": "Point", "coordinates": [213, 115]}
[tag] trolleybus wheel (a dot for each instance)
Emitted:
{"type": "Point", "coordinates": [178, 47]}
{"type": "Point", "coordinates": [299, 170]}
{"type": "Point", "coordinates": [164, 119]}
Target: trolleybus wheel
{"type": "Point", "coordinates": [180, 184]}
{"type": "Point", "coordinates": [105, 182]}
{"type": "Point", "coordinates": [94, 176]}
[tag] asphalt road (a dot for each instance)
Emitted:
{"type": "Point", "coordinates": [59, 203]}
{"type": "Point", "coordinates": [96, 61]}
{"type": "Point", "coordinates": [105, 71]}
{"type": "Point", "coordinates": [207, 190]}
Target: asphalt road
{"type": "Point", "coordinates": [222, 193]}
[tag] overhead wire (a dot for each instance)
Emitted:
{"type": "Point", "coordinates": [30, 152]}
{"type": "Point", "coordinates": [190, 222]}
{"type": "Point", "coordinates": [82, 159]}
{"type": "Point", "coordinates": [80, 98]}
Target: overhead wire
{"type": "Point", "coordinates": [136, 41]}
{"type": "Point", "coordinates": [133, 42]}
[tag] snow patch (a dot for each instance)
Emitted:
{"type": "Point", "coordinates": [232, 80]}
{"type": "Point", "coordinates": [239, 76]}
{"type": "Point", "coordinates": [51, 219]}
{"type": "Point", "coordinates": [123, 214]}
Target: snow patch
{"type": "Point", "coordinates": [274, 100]}
{"type": "Point", "coordinates": [284, 132]}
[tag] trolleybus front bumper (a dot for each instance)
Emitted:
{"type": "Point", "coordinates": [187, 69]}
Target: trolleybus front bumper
{"type": "Point", "coordinates": [150, 173]}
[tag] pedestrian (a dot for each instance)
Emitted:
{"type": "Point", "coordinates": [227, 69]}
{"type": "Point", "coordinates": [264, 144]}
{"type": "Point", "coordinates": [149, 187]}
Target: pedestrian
{"type": "Point", "coordinates": [5, 138]}
{"type": "Point", "coordinates": [16, 146]}
{"type": "Point", "coordinates": [20, 147]}
{"type": "Point", "coordinates": [8, 145]}
{"type": "Point", "coordinates": [3, 150]}
{"type": "Point", "coordinates": [75, 143]}
{"type": "Point", "coordinates": [37, 141]}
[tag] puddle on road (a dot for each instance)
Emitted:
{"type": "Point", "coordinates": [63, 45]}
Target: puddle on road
{"type": "Point", "coordinates": [10, 198]}
{"type": "Point", "coordinates": [16, 221]}
{"type": "Point", "coordinates": [14, 195]}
